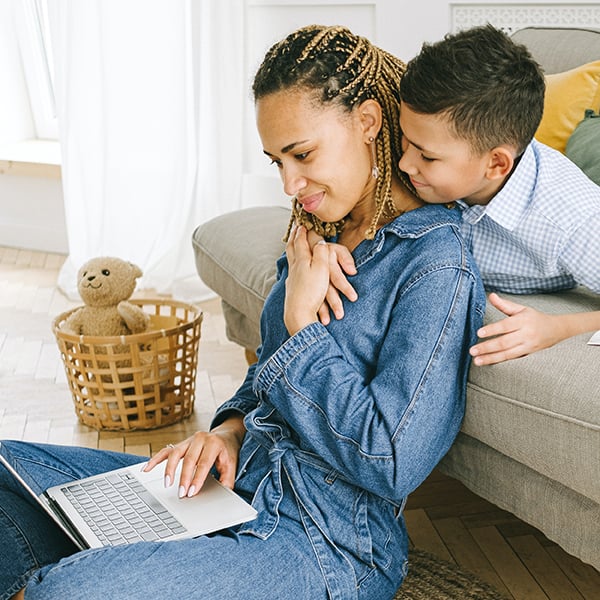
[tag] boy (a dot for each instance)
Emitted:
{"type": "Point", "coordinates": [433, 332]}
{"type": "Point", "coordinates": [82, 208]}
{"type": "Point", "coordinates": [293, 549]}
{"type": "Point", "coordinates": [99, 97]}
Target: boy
{"type": "Point", "coordinates": [471, 104]}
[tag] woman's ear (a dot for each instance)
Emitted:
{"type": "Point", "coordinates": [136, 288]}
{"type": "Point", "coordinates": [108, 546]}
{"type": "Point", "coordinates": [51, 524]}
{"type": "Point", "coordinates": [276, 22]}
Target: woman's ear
{"type": "Point", "coordinates": [501, 162]}
{"type": "Point", "coordinates": [369, 113]}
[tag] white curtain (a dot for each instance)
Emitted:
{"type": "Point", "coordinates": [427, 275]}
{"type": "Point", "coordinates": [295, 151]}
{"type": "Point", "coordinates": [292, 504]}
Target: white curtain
{"type": "Point", "coordinates": [149, 96]}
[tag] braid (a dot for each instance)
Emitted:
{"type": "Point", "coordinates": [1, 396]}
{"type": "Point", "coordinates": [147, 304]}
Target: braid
{"type": "Point", "coordinates": [347, 69]}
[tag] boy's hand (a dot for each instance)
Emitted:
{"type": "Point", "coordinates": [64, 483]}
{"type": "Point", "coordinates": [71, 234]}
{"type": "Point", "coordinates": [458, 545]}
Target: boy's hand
{"type": "Point", "coordinates": [341, 264]}
{"type": "Point", "coordinates": [526, 330]}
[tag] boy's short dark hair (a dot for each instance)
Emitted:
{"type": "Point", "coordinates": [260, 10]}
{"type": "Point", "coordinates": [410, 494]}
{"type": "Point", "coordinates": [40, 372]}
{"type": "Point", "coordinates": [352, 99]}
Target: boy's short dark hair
{"type": "Point", "coordinates": [490, 87]}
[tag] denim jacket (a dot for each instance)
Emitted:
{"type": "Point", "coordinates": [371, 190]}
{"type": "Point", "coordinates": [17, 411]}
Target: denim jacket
{"type": "Point", "coordinates": [353, 416]}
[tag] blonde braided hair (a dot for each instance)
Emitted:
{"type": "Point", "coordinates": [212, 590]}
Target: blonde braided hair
{"type": "Point", "coordinates": [347, 69]}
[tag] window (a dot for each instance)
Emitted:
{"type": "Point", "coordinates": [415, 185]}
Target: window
{"type": "Point", "coordinates": [33, 33]}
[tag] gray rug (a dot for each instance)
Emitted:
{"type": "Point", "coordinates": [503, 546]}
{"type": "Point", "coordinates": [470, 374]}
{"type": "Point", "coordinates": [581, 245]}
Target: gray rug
{"type": "Point", "coordinates": [431, 578]}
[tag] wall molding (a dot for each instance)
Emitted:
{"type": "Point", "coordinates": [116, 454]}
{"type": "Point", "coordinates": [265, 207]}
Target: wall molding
{"type": "Point", "coordinates": [512, 17]}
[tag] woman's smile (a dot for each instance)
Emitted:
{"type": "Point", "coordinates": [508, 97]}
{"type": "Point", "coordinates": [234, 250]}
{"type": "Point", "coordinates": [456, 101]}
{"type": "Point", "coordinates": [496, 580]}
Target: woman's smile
{"type": "Point", "coordinates": [417, 184]}
{"type": "Point", "coordinates": [312, 202]}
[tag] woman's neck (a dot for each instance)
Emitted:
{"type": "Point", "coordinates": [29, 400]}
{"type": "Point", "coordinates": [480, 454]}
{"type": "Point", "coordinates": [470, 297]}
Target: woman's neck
{"type": "Point", "coordinates": [405, 199]}
{"type": "Point", "coordinates": [359, 220]}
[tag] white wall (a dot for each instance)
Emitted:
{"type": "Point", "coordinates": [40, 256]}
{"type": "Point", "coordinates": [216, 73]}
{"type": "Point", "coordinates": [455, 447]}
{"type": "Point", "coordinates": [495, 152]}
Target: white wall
{"type": "Point", "coordinates": [32, 214]}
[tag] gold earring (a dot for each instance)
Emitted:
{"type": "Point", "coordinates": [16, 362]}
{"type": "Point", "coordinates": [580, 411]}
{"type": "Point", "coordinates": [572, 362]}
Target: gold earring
{"type": "Point", "coordinates": [375, 168]}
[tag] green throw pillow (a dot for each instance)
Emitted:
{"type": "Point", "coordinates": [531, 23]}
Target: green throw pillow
{"type": "Point", "coordinates": [583, 147]}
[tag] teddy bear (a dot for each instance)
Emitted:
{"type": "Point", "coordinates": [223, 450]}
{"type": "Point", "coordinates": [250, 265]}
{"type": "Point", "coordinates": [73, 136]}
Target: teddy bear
{"type": "Point", "coordinates": [105, 284]}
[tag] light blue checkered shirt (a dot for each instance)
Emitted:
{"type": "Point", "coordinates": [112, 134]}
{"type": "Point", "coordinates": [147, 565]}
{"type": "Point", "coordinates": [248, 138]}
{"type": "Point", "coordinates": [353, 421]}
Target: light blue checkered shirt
{"type": "Point", "coordinates": [541, 232]}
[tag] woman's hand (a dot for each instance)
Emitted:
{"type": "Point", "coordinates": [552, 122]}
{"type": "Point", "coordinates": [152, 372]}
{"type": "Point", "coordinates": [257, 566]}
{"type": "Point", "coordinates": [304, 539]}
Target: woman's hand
{"type": "Point", "coordinates": [219, 447]}
{"type": "Point", "coordinates": [307, 281]}
{"type": "Point", "coordinates": [341, 264]}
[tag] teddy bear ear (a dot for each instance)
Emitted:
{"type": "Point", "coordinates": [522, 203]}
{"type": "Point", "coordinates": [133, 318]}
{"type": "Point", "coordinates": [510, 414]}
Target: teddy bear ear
{"type": "Point", "coordinates": [137, 272]}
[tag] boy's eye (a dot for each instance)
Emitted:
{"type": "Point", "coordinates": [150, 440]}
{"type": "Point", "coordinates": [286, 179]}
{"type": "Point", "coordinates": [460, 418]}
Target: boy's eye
{"type": "Point", "coordinates": [301, 156]}
{"type": "Point", "coordinates": [427, 158]}
{"type": "Point", "coordinates": [274, 161]}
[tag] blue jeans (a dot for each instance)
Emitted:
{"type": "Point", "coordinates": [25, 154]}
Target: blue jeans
{"type": "Point", "coordinates": [35, 553]}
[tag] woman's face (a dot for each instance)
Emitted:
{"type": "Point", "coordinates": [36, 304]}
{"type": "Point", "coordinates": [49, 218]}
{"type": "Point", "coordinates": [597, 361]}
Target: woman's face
{"type": "Point", "coordinates": [320, 152]}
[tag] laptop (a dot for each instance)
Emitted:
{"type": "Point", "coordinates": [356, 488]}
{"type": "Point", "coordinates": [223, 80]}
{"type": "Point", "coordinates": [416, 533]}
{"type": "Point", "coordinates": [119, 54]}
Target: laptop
{"type": "Point", "coordinates": [128, 505]}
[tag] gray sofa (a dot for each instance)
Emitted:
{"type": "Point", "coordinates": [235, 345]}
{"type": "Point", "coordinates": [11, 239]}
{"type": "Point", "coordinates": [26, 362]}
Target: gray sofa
{"type": "Point", "coordinates": [530, 440]}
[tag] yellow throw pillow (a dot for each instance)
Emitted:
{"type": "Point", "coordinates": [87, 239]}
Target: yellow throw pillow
{"type": "Point", "coordinates": [568, 95]}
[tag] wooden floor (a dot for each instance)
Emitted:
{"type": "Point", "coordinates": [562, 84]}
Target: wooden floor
{"type": "Point", "coordinates": [442, 516]}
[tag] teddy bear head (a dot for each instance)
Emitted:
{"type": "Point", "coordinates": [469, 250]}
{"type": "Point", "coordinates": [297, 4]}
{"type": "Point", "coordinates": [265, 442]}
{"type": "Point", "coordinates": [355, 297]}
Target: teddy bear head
{"type": "Point", "coordinates": [106, 281]}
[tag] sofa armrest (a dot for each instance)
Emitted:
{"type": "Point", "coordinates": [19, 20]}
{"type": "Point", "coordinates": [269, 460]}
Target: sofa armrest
{"type": "Point", "coordinates": [235, 256]}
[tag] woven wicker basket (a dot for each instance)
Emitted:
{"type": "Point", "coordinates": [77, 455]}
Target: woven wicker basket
{"type": "Point", "coordinates": [140, 381]}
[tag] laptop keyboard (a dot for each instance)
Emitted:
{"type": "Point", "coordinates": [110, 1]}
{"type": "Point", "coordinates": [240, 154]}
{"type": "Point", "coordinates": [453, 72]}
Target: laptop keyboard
{"type": "Point", "coordinates": [119, 510]}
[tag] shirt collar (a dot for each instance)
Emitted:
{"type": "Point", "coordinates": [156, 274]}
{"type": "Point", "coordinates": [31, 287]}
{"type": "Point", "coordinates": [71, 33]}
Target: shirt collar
{"type": "Point", "coordinates": [507, 207]}
{"type": "Point", "coordinates": [419, 221]}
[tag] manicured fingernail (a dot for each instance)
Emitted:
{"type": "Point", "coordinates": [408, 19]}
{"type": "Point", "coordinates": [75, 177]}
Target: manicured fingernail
{"type": "Point", "coordinates": [181, 492]}
{"type": "Point", "coordinates": [191, 491]}
{"type": "Point", "coordinates": [167, 481]}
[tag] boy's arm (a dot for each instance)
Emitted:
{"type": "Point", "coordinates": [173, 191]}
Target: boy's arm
{"type": "Point", "coordinates": [526, 330]}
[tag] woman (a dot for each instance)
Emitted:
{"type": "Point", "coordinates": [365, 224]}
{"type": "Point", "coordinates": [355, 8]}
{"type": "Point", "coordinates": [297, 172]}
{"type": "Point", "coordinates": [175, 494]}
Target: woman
{"type": "Point", "coordinates": [334, 425]}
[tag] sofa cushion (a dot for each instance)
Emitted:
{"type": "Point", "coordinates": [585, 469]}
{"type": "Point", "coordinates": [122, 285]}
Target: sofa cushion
{"type": "Point", "coordinates": [568, 95]}
{"type": "Point", "coordinates": [543, 410]}
{"type": "Point", "coordinates": [583, 147]}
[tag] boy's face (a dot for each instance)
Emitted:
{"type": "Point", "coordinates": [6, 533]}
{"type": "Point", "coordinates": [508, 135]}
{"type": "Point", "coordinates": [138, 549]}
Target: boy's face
{"type": "Point", "coordinates": [442, 167]}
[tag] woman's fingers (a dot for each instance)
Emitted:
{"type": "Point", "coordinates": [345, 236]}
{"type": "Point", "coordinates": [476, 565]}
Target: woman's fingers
{"type": "Point", "coordinates": [201, 452]}
{"type": "Point", "coordinates": [190, 451]}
